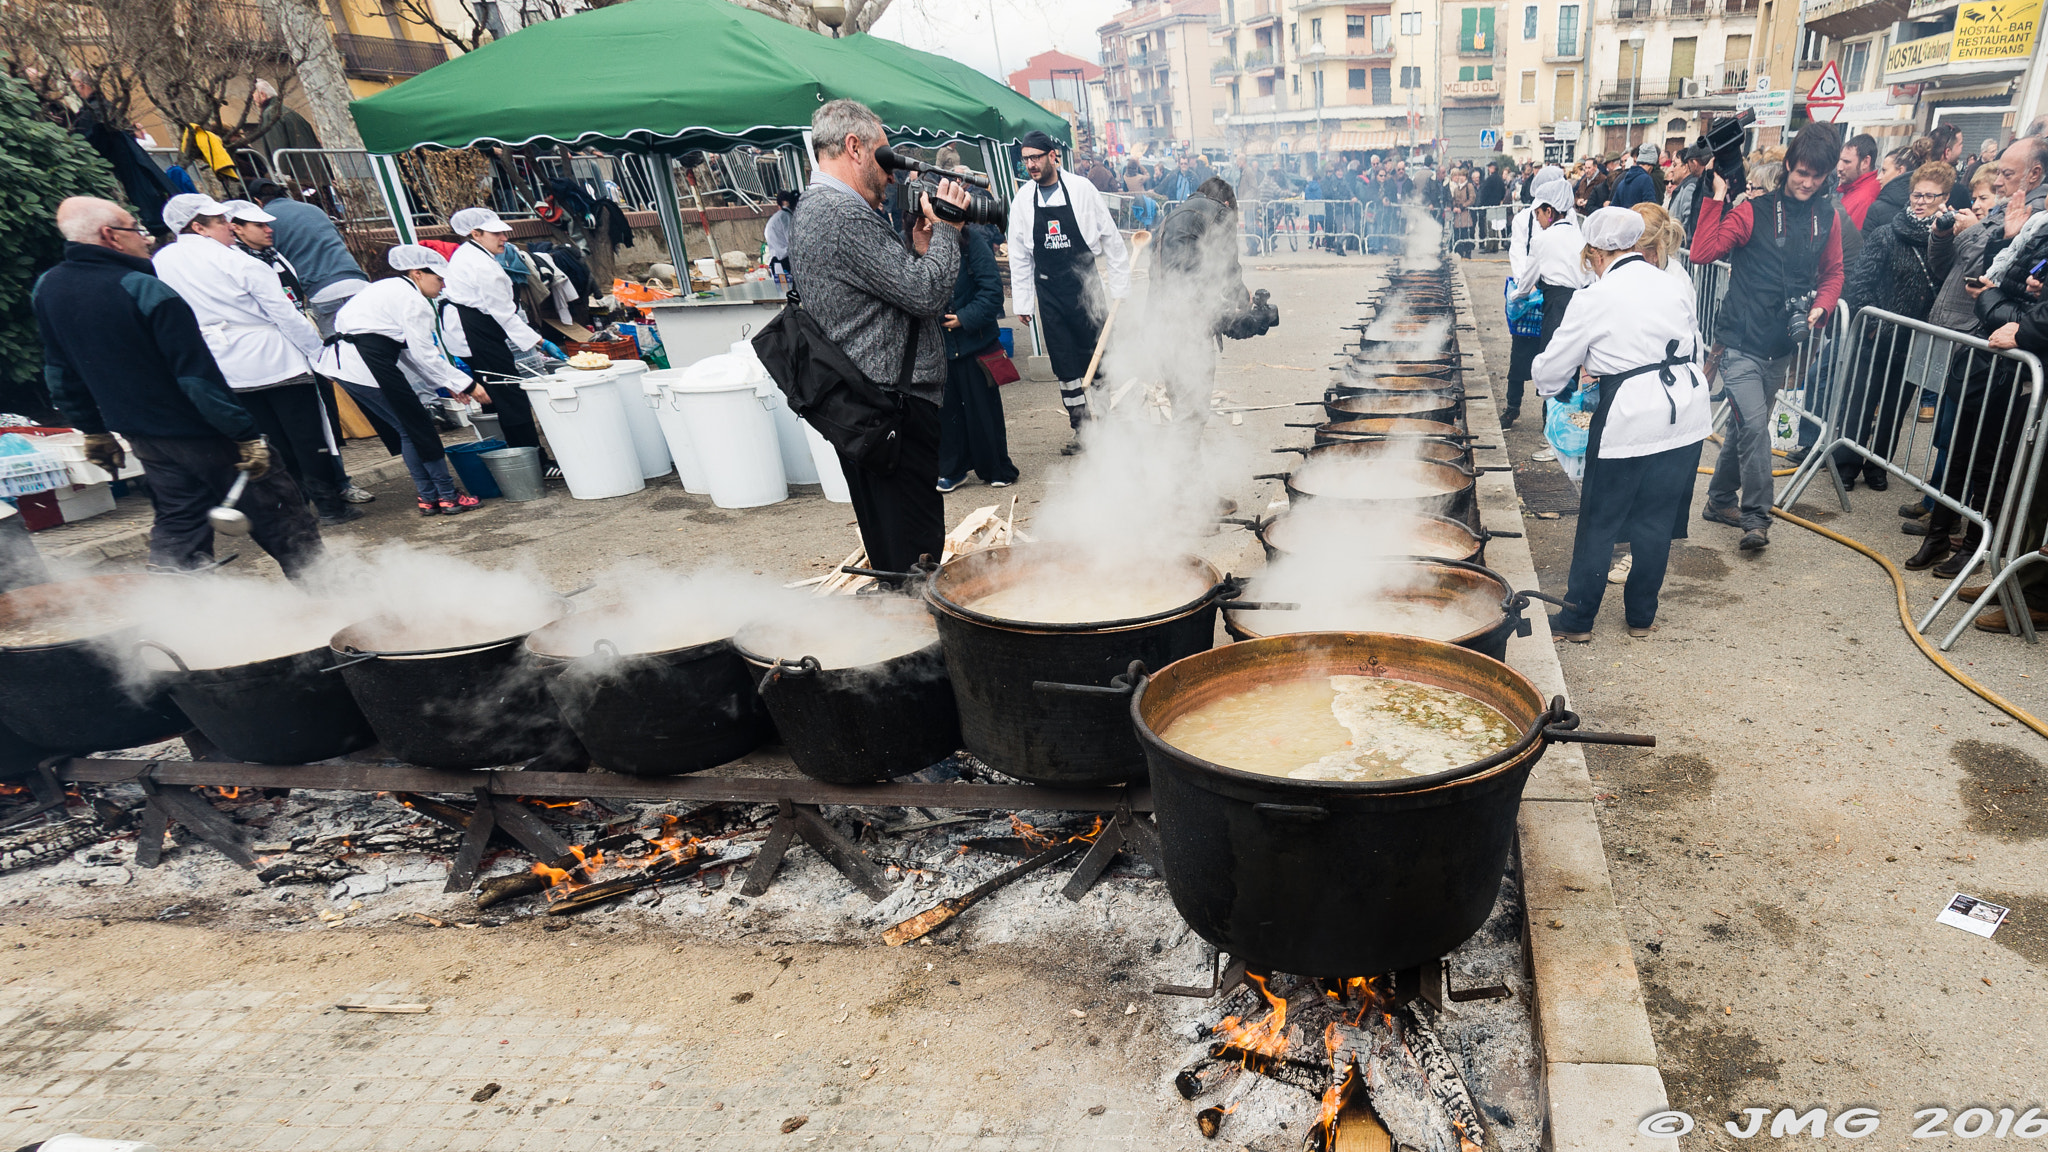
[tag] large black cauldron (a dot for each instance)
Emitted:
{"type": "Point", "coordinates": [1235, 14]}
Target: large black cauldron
{"type": "Point", "coordinates": [285, 710]}
{"type": "Point", "coordinates": [1331, 878]}
{"type": "Point", "coordinates": [1470, 606]}
{"type": "Point", "coordinates": [649, 713]}
{"type": "Point", "coordinates": [70, 696]}
{"type": "Point", "coordinates": [1023, 687]}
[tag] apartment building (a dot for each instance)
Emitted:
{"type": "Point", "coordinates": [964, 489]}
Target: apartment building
{"type": "Point", "coordinates": [1067, 86]}
{"type": "Point", "coordinates": [1318, 77]}
{"type": "Point", "coordinates": [1909, 66]}
{"type": "Point", "coordinates": [1470, 116]}
{"type": "Point", "coordinates": [1542, 70]}
{"type": "Point", "coordinates": [1658, 65]}
{"type": "Point", "coordinates": [1156, 63]}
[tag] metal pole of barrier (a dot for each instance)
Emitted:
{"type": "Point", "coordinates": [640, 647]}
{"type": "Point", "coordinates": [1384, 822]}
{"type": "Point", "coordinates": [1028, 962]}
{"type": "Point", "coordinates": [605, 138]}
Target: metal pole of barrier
{"type": "Point", "coordinates": [1820, 372]}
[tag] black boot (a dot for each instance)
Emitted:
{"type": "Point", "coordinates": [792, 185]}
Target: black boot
{"type": "Point", "coordinates": [1933, 550]}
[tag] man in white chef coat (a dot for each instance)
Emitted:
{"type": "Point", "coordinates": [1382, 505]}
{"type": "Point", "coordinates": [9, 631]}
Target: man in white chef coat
{"type": "Point", "coordinates": [264, 345]}
{"type": "Point", "coordinates": [1060, 228]}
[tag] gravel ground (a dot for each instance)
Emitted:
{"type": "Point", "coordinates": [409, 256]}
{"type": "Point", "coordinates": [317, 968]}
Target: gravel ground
{"type": "Point", "coordinates": [1819, 792]}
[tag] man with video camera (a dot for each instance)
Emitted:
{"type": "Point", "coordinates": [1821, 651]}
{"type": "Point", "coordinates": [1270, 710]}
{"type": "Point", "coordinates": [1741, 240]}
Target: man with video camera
{"type": "Point", "coordinates": [1786, 251]}
{"type": "Point", "coordinates": [1064, 250]}
{"type": "Point", "coordinates": [879, 303]}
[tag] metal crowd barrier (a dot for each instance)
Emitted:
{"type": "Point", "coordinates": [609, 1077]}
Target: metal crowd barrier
{"type": "Point", "coordinates": [1980, 459]}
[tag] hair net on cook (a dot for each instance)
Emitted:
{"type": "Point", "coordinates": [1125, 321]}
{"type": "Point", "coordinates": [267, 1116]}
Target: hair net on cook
{"type": "Point", "coordinates": [1613, 229]}
{"type": "Point", "coordinates": [1553, 190]}
{"type": "Point", "coordinates": [406, 257]}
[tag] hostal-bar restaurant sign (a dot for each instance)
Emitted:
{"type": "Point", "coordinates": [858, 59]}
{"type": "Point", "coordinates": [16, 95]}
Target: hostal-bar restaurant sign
{"type": "Point", "coordinates": [1995, 30]}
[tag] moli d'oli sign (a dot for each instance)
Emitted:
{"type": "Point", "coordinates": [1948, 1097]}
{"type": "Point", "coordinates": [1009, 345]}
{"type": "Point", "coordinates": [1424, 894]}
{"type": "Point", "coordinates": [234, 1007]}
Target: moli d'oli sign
{"type": "Point", "coordinates": [1922, 53]}
{"type": "Point", "coordinates": [1996, 30]}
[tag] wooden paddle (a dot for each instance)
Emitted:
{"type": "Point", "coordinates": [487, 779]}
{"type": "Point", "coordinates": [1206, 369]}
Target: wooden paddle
{"type": "Point", "coordinates": [1139, 239]}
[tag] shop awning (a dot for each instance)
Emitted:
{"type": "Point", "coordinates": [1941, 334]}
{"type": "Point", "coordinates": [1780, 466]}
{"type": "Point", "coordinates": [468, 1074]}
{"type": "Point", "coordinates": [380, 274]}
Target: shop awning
{"type": "Point", "coordinates": [672, 75]}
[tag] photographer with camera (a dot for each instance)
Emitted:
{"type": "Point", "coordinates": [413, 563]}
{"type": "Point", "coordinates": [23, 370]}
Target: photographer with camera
{"type": "Point", "coordinates": [879, 304]}
{"type": "Point", "coordinates": [1786, 251]}
{"type": "Point", "coordinates": [1059, 227]}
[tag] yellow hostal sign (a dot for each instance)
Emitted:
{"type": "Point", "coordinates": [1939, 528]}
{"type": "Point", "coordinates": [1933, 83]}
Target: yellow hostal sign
{"type": "Point", "coordinates": [1995, 30]}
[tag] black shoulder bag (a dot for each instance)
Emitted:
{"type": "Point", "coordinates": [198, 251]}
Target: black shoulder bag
{"type": "Point", "coordinates": [861, 418]}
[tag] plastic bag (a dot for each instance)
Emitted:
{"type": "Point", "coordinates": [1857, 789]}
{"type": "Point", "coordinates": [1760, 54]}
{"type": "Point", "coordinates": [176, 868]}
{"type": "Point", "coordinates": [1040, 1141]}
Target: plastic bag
{"type": "Point", "coordinates": [1525, 316]}
{"type": "Point", "coordinates": [1568, 424]}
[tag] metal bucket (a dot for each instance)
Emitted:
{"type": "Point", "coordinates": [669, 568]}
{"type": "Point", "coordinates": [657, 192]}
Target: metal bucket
{"type": "Point", "coordinates": [517, 471]}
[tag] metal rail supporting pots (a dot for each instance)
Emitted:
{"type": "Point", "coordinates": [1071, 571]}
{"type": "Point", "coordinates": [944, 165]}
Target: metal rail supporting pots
{"type": "Point", "coordinates": [1350, 383]}
{"type": "Point", "coordinates": [1062, 738]}
{"type": "Point", "coordinates": [1369, 535]}
{"type": "Point", "coordinates": [1335, 878]}
{"type": "Point", "coordinates": [1457, 603]}
{"type": "Point", "coordinates": [1429, 487]}
{"type": "Point", "coordinates": [471, 706]}
{"type": "Point", "coordinates": [284, 710]}
{"type": "Point", "coordinates": [69, 695]}
{"type": "Point", "coordinates": [648, 713]}
{"type": "Point", "coordinates": [1441, 407]}
{"type": "Point", "coordinates": [1450, 452]}
{"type": "Point", "coordinates": [860, 724]}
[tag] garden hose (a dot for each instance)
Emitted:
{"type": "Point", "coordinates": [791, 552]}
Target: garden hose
{"type": "Point", "coordinates": [1906, 618]}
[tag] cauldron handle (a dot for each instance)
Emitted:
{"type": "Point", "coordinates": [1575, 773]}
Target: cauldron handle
{"type": "Point", "coordinates": [1080, 689]}
{"type": "Point", "coordinates": [1293, 813]}
{"type": "Point", "coordinates": [1564, 724]}
{"type": "Point", "coordinates": [1302, 425]}
{"type": "Point", "coordinates": [1272, 475]}
{"type": "Point", "coordinates": [1303, 451]}
{"type": "Point", "coordinates": [175, 658]}
{"type": "Point", "coordinates": [1254, 523]}
{"type": "Point", "coordinates": [1494, 468]}
{"type": "Point", "coordinates": [360, 658]}
{"type": "Point", "coordinates": [808, 666]}
{"type": "Point", "coordinates": [876, 573]}
{"type": "Point", "coordinates": [1490, 534]}
{"type": "Point", "coordinates": [1263, 606]}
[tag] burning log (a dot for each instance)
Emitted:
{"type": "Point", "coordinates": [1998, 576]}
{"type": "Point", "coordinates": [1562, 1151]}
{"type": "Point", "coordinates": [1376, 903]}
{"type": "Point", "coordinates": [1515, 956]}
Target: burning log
{"type": "Point", "coordinates": [1445, 1083]}
{"type": "Point", "coordinates": [42, 843]}
{"type": "Point", "coordinates": [931, 919]}
{"type": "Point", "coordinates": [599, 874]}
{"type": "Point", "coordinates": [503, 888]}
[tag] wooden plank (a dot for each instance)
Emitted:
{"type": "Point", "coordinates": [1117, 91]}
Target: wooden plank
{"type": "Point", "coordinates": [475, 839]}
{"type": "Point", "coordinates": [842, 853]}
{"type": "Point", "coordinates": [191, 810]}
{"type": "Point", "coordinates": [762, 874]}
{"type": "Point", "coordinates": [1108, 843]}
{"type": "Point", "coordinates": [736, 789]}
{"type": "Point", "coordinates": [533, 833]}
{"type": "Point", "coordinates": [149, 842]}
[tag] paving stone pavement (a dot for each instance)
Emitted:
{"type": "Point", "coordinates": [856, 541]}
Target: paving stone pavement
{"type": "Point", "coordinates": [247, 1070]}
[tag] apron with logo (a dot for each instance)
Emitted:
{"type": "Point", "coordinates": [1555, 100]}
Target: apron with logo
{"type": "Point", "coordinates": [1065, 269]}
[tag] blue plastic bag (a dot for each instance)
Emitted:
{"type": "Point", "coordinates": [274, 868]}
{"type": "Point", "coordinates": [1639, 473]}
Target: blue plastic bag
{"type": "Point", "coordinates": [1525, 316]}
{"type": "Point", "coordinates": [1567, 437]}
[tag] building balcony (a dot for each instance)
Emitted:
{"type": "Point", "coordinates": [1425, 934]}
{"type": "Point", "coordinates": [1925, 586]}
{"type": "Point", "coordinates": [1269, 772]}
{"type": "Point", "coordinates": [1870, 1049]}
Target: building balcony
{"type": "Point", "coordinates": [1263, 60]}
{"type": "Point", "coordinates": [1739, 7]}
{"type": "Point", "coordinates": [1160, 103]}
{"type": "Point", "coordinates": [1840, 19]}
{"type": "Point", "coordinates": [1648, 90]}
{"type": "Point", "coordinates": [1223, 66]}
{"type": "Point", "coordinates": [1565, 54]}
{"type": "Point", "coordinates": [1729, 78]}
{"type": "Point", "coordinates": [1262, 105]}
{"type": "Point", "coordinates": [1145, 60]}
{"type": "Point", "coordinates": [1686, 9]}
{"type": "Point", "coordinates": [1627, 10]}
{"type": "Point", "coordinates": [1262, 13]}
{"type": "Point", "coordinates": [1143, 132]}
{"type": "Point", "coordinates": [1345, 50]}
{"type": "Point", "coordinates": [377, 56]}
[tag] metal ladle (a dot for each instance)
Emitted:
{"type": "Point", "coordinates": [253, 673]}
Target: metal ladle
{"type": "Point", "coordinates": [227, 518]}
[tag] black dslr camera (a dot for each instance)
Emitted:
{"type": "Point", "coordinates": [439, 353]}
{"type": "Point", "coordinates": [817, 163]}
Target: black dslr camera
{"type": "Point", "coordinates": [981, 207]}
{"type": "Point", "coordinates": [1797, 309]}
{"type": "Point", "coordinates": [1255, 317]}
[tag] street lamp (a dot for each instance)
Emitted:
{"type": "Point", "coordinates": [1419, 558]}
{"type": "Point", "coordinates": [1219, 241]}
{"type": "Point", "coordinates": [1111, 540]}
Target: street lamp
{"type": "Point", "coordinates": [831, 13]}
{"type": "Point", "coordinates": [1635, 47]}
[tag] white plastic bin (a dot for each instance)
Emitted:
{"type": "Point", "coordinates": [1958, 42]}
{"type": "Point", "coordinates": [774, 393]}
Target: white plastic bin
{"type": "Point", "coordinates": [648, 442]}
{"type": "Point", "coordinates": [586, 427]}
{"type": "Point", "coordinates": [797, 464]}
{"type": "Point", "coordinates": [733, 429]}
{"type": "Point", "coordinates": [668, 413]}
{"type": "Point", "coordinates": [826, 459]}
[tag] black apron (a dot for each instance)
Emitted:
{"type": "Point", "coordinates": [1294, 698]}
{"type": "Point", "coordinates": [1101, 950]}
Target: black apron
{"type": "Point", "coordinates": [491, 362]}
{"type": "Point", "coordinates": [1610, 386]}
{"type": "Point", "coordinates": [380, 354]}
{"type": "Point", "coordinates": [1064, 267]}
{"type": "Point", "coordinates": [1556, 298]}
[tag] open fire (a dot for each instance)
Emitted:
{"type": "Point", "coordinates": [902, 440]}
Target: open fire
{"type": "Point", "coordinates": [622, 863]}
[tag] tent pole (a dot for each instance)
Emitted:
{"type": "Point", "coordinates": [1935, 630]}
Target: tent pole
{"type": "Point", "coordinates": [809, 149]}
{"type": "Point", "coordinates": [670, 211]}
{"type": "Point", "coordinates": [392, 189]}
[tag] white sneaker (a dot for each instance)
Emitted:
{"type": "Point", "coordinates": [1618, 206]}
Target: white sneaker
{"type": "Point", "coordinates": [1619, 573]}
{"type": "Point", "coordinates": [1544, 454]}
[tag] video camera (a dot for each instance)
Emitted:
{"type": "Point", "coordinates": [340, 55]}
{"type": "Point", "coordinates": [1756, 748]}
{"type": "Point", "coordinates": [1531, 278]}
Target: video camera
{"type": "Point", "coordinates": [1255, 317]}
{"type": "Point", "coordinates": [981, 207]}
{"type": "Point", "coordinates": [1728, 140]}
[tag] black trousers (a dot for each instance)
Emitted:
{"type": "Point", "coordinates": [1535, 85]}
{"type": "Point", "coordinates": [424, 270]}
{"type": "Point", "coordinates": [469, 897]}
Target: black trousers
{"type": "Point", "coordinates": [380, 354]}
{"type": "Point", "coordinates": [189, 476]}
{"type": "Point", "coordinates": [1521, 360]}
{"type": "Point", "coordinates": [971, 430]}
{"type": "Point", "coordinates": [902, 516]}
{"type": "Point", "coordinates": [1878, 401]}
{"type": "Point", "coordinates": [290, 416]}
{"type": "Point", "coordinates": [1980, 456]}
{"type": "Point", "coordinates": [490, 360]}
{"type": "Point", "coordinates": [1628, 499]}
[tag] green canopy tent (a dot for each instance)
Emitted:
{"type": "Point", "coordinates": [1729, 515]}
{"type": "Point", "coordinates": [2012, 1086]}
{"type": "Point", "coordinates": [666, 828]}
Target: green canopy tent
{"type": "Point", "coordinates": [671, 76]}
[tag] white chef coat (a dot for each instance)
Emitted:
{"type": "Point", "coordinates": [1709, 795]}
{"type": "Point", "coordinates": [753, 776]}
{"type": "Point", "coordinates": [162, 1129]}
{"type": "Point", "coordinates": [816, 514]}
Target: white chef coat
{"type": "Point", "coordinates": [1091, 214]}
{"type": "Point", "coordinates": [1555, 256]}
{"type": "Point", "coordinates": [1624, 320]}
{"type": "Point", "coordinates": [392, 307]}
{"type": "Point", "coordinates": [476, 280]}
{"type": "Point", "coordinates": [1519, 234]}
{"type": "Point", "coordinates": [1675, 267]}
{"type": "Point", "coordinates": [257, 335]}
{"type": "Point", "coordinates": [776, 235]}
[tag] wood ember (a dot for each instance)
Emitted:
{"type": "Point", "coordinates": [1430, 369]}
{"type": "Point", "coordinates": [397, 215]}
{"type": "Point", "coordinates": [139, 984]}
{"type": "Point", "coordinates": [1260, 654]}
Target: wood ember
{"type": "Point", "coordinates": [43, 843]}
{"type": "Point", "coordinates": [303, 870]}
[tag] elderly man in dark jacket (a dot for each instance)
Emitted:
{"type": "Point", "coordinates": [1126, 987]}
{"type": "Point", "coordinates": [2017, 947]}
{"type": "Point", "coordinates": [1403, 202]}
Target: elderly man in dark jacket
{"type": "Point", "coordinates": [881, 303]}
{"type": "Point", "coordinates": [971, 431]}
{"type": "Point", "coordinates": [123, 353]}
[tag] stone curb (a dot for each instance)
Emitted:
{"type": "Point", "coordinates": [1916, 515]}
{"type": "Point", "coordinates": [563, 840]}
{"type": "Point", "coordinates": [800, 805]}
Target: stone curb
{"type": "Point", "coordinates": [135, 541]}
{"type": "Point", "coordinates": [1600, 1073]}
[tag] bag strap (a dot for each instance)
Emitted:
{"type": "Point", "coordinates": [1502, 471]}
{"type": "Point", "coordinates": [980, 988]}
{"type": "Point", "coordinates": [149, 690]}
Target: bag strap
{"type": "Point", "coordinates": [909, 354]}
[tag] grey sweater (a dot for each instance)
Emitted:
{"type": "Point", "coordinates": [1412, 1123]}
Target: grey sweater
{"type": "Point", "coordinates": [865, 289]}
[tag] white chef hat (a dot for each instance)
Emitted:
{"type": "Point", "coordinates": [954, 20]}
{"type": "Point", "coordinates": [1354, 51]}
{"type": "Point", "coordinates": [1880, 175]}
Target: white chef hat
{"type": "Point", "coordinates": [406, 257]}
{"type": "Point", "coordinates": [180, 210]}
{"type": "Point", "coordinates": [470, 219]}
{"type": "Point", "coordinates": [1613, 229]}
{"type": "Point", "coordinates": [1555, 191]}
{"type": "Point", "coordinates": [244, 212]}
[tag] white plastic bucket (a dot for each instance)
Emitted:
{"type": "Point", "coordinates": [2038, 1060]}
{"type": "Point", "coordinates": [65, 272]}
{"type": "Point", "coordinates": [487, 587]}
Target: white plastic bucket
{"type": "Point", "coordinates": [733, 430]}
{"type": "Point", "coordinates": [648, 442]}
{"type": "Point", "coordinates": [826, 459]}
{"type": "Point", "coordinates": [668, 414]}
{"type": "Point", "coordinates": [586, 426]}
{"type": "Point", "coordinates": [797, 464]}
